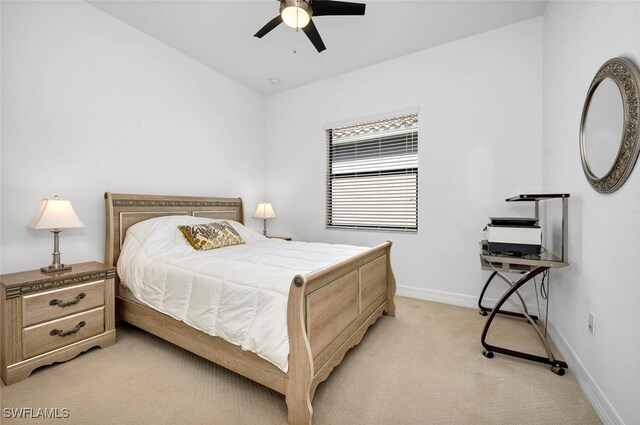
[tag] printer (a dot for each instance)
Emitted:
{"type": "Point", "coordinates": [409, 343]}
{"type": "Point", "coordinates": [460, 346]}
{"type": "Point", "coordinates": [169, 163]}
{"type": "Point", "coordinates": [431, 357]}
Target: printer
{"type": "Point", "coordinates": [513, 235]}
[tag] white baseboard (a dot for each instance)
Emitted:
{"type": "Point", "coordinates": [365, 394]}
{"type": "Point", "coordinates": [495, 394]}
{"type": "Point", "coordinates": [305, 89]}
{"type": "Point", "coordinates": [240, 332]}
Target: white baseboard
{"type": "Point", "coordinates": [599, 401]}
{"type": "Point", "coordinates": [437, 296]}
{"type": "Point", "coordinates": [454, 298]}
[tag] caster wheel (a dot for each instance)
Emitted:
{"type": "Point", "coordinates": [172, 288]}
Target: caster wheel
{"type": "Point", "coordinates": [557, 370]}
{"type": "Point", "coordinates": [483, 313]}
{"type": "Point", "coordinates": [487, 354]}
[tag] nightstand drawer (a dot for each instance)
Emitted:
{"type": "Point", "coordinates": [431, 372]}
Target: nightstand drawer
{"type": "Point", "coordinates": [49, 305]}
{"type": "Point", "coordinates": [48, 336]}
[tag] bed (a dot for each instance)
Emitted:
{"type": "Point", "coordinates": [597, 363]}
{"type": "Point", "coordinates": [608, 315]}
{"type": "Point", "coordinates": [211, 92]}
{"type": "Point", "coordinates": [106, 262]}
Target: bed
{"type": "Point", "coordinates": [328, 310]}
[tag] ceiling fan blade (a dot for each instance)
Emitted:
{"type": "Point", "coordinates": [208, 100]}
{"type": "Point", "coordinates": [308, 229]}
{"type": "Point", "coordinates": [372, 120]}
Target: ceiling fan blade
{"type": "Point", "coordinates": [270, 25]}
{"type": "Point", "coordinates": [314, 36]}
{"type": "Point", "coordinates": [328, 7]}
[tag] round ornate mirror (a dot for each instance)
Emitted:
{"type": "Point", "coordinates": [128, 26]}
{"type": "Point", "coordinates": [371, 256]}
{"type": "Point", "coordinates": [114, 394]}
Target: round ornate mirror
{"type": "Point", "coordinates": [609, 133]}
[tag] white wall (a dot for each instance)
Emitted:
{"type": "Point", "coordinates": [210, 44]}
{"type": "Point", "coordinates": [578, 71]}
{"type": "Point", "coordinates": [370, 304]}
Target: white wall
{"type": "Point", "coordinates": [604, 229]}
{"type": "Point", "coordinates": [480, 116]}
{"type": "Point", "coordinates": [90, 105]}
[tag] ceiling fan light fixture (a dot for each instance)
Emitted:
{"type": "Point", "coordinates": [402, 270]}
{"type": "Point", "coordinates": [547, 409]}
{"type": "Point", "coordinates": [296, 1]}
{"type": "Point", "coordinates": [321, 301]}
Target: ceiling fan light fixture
{"type": "Point", "coordinates": [295, 13]}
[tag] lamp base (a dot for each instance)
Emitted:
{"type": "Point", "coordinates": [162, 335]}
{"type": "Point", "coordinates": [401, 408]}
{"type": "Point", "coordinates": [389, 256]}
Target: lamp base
{"type": "Point", "coordinates": [55, 268]}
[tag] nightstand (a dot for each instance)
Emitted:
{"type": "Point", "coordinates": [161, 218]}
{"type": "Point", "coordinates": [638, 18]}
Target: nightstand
{"type": "Point", "coordinates": [47, 318]}
{"type": "Point", "coordinates": [286, 238]}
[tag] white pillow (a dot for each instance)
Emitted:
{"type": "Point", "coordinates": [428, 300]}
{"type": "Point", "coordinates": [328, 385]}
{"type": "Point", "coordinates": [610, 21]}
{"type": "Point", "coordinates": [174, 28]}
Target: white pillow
{"type": "Point", "coordinates": [165, 229]}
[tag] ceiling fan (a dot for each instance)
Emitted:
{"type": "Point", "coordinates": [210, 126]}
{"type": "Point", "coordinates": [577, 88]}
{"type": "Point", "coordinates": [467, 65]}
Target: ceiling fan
{"type": "Point", "coordinates": [297, 14]}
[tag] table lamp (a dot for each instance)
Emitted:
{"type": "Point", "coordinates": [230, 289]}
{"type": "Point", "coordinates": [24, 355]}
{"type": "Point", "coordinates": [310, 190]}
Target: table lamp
{"type": "Point", "coordinates": [55, 214]}
{"type": "Point", "coordinates": [264, 211]}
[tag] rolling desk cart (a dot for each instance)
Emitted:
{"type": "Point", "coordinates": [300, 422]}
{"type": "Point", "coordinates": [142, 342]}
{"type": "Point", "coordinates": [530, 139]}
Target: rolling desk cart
{"type": "Point", "coordinates": [531, 265]}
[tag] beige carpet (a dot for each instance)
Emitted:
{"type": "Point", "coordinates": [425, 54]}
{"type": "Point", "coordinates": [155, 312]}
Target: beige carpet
{"type": "Point", "coordinates": [422, 367]}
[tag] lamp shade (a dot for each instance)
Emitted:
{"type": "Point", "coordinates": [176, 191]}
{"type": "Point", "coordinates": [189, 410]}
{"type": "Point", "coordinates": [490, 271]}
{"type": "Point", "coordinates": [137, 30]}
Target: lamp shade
{"type": "Point", "coordinates": [264, 211]}
{"type": "Point", "coordinates": [55, 213]}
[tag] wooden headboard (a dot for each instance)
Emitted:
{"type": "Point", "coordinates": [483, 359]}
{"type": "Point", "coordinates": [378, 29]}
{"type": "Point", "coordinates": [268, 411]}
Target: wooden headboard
{"type": "Point", "coordinates": [125, 210]}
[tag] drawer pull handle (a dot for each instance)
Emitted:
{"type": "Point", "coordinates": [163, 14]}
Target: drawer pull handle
{"type": "Point", "coordinates": [61, 303]}
{"type": "Point", "coordinates": [59, 332]}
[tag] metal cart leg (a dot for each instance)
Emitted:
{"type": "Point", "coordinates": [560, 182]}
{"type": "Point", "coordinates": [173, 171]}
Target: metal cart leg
{"type": "Point", "coordinates": [557, 366]}
{"type": "Point", "coordinates": [486, 310]}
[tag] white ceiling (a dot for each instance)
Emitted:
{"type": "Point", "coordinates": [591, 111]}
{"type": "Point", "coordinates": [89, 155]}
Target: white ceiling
{"type": "Point", "coordinates": [219, 34]}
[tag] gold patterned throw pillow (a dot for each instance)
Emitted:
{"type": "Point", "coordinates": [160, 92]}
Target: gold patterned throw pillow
{"type": "Point", "coordinates": [203, 237]}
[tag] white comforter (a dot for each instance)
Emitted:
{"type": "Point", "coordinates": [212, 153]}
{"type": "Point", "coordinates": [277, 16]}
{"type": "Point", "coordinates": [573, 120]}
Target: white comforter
{"type": "Point", "coordinates": [238, 293]}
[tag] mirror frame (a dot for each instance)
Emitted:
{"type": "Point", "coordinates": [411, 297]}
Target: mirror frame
{"type": "Point", "coordinates": [627, 77]}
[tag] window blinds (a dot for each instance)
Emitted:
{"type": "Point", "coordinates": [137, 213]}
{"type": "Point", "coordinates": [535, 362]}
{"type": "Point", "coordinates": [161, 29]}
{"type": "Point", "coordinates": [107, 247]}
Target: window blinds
{"type": "Point", "coordinates": [372, 175]}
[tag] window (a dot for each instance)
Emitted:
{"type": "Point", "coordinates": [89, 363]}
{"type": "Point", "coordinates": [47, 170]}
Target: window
{"type": "Point", "coordinates": [372, 175]}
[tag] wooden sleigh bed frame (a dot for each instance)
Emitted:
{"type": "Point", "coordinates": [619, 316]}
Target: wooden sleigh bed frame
{"type": "Point", "coordinates": [328, 312]}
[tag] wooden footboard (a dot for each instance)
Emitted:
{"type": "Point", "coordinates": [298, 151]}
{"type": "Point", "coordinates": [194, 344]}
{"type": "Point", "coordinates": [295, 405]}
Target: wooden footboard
{"type": "Point", "coordinates": [329, 312]}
